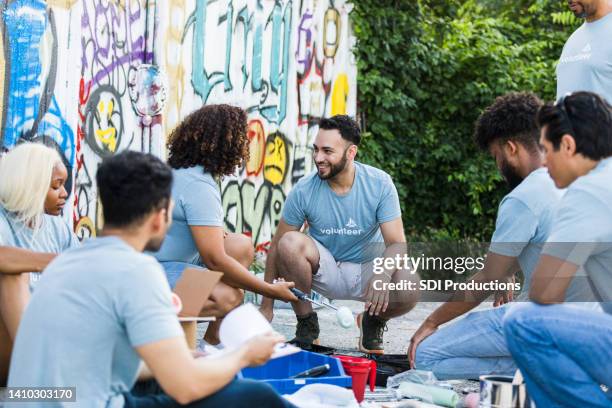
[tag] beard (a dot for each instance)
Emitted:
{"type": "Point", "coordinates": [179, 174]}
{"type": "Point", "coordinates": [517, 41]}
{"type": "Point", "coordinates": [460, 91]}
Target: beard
{"type": "Point", "coordinates": [582, 13]}
{"type": "Point", "coordinates": [513, 179]}
{"type": "Point", "coordinates": [334, 169]}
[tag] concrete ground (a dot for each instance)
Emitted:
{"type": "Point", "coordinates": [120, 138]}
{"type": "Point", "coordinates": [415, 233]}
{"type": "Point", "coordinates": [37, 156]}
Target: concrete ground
{"type": "Point", "coordinates": [333, 335]}
{"type": "Point", "coordinates": [396, 339]}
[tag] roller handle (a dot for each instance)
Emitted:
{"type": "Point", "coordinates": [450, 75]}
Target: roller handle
{"type": "Point", "coordinates": [299, 294]}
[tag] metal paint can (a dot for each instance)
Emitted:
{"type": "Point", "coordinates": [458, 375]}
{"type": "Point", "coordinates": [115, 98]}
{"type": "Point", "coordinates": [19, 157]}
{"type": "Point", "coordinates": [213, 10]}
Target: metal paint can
{"type": "Point", "coordinates": [497, 391]}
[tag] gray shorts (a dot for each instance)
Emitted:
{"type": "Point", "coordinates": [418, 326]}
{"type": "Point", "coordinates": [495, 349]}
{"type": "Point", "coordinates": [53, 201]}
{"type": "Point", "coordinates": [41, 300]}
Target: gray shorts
{"type": "Point", "coordinates": [340, 280]}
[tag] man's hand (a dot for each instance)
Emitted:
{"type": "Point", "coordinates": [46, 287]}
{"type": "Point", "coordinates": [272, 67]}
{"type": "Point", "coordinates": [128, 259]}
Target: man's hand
{"type": "Point", "coordinates": [259, 349]}
{"type": "Point", "coordinates": [425, 330]}
{"type": "Point", "coordinates": [377, 301]}
{"type": "Point", "coordinates": [280, 290]}
{"type": "Point", "coordinates": [503, 297]}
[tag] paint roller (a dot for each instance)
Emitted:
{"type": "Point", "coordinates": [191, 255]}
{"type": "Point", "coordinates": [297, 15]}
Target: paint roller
{"type": "Point", "coordinates": [343, 314]}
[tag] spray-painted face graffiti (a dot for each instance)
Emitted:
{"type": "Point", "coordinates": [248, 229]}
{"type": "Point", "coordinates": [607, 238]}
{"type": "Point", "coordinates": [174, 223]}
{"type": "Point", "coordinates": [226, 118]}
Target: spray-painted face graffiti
{"type": "Point", "coordinates": [147, 87]}
{"type": "Point", "coordinates": [104, 121]}
{"type": "Point", "coordinates": [276, 159]}
{"type": "Point", "coordinates": [257, 141]}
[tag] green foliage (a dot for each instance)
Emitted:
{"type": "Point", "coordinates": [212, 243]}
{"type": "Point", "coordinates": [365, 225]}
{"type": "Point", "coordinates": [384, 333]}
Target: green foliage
{"type": "Point", "coordinates": [426, 70]}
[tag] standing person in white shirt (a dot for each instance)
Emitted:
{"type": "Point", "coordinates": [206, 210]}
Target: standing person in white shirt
{"type": "Point", "coordinates": [586, 60]}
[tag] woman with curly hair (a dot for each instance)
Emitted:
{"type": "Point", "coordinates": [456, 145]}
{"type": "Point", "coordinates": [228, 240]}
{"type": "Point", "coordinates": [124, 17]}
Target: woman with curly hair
{"type": "Point", "coordinates": [32, 196]}
{"type": "Point", "coordinates": [208, 144]}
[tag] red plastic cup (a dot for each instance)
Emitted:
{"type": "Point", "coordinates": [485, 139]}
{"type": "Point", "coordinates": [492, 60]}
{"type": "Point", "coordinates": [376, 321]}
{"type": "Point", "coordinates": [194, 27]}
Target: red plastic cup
{"type": "Point", "coordinates": [359, 368]}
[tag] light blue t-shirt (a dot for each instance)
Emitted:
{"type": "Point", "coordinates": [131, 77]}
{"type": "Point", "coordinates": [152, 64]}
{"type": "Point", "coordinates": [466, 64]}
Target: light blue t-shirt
{"type": "Point", "coordinates": [347, 224]}
{"type": "Point", "coordinates": [586, 60]}
{"type": "Point", "coordinates": [197, 202]}
{"type": "Point", "coordinates": [524, 222]}
{"type": "Point", "coordinates": [582, 229]}
{"type": "Point", "coordinates": [53, 236]}
{"type": "Point", "coordinates": [92, 307]}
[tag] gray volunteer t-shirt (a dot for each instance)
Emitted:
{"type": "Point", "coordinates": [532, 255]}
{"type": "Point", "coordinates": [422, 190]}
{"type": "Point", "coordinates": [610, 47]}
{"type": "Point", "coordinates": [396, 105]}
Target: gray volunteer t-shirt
{"type": "Point", "coordinates": [586, 60]}
{"type": "Point", "coordinates": [347, 225]}
{"type": "Point", "coordinates": [197, 202]}
{"type": "Point", "coordinates": [91, 308]}
{"type": "Point", "coordinates": [582, 229]}
{"type": "Point", "coordinates": [53, 236]}
{"type": "Point", "coordinates": [524, 222]}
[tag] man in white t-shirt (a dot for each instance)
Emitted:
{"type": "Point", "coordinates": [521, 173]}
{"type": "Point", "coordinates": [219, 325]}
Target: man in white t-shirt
{"type": "Point", "coordinates": [586, 60]}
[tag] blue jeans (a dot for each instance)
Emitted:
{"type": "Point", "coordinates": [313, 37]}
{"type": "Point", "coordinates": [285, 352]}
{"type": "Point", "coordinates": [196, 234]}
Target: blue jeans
{"type": "Point", "coordinates": [468, 348]}
{"type": "Point", "coordinates": [174, 270]}
{"type": "Point", "coordinates": [238, 393]}
{"type": "Point", "coordinates": [564, 353]}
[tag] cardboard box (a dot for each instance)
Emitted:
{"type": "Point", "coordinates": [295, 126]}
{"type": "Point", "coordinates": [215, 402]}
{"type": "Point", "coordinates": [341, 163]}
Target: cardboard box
{"type": "Point", "coordinates": [194, 288]}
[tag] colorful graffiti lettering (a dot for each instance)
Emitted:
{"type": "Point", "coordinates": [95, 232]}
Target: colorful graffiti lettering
{"type": "Point", "coordinates": [251, 211]}
{"type": "Point", "coordinates": [94, 77]}
{"type": "Point", "coordinates": [31, 110]}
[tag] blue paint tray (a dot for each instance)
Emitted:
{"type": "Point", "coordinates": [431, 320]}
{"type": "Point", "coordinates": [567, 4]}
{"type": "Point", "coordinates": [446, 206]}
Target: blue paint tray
{"type": "Point", "coordinates": [277, 372]}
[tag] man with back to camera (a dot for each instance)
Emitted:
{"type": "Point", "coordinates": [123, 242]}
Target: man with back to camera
{"type": "Point", "coordinates": [586, 60]}
{"type": "Point", "coordinates": [350, 209]}
{"type": "Point", "coordinates": [565, 353]}
{"type": "Point", "coordinates": [475, 345]}
{"type": "Point", "coordinates": [91, 330]}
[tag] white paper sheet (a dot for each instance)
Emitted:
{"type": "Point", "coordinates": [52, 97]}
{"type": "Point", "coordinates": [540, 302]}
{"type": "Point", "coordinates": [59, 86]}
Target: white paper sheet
{"type": "Point", "coordinates": [244, 323]}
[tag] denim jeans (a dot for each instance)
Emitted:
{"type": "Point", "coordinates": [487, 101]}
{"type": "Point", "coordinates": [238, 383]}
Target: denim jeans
{"type": "Point", "coordinates": [238, 393]}
{"type": "Point", "coordinates": [564, 353]}
{"type": "Point", "coordinates": [468, 348]}
{"type": "Point", "coordinates": [174, 270]}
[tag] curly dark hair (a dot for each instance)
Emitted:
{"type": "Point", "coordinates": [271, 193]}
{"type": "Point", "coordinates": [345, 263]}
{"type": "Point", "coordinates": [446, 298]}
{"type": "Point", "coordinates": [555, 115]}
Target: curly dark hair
{"type": "Point", "coordinates": [348, 128]}
{"type": "Point", "coordinates": [510, 117]}
{"type": "Point", "coordinates": [214, 136]}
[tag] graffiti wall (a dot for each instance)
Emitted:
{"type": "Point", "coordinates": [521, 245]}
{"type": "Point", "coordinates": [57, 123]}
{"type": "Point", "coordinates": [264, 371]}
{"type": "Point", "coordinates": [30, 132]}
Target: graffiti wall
{"type": "Point", "coordinates": [95, 77]}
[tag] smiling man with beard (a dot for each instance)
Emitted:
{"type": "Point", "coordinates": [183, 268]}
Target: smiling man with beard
{"type": "Point", "coordinates": [475, 345]}
{"type": "Point", "coordinates": [586, 61]}
{"type": "Point", "coordinates": [352, 211]}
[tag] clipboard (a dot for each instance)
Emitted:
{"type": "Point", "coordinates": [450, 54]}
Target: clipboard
{"type": "Point", "coordinates": [194, 288]}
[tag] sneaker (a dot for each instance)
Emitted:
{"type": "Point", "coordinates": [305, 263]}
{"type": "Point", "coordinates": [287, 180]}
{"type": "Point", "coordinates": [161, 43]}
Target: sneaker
{"type": "Point", "coordinates": [371, 329]}
{"type": "Point", "coordinates": [307, 330]}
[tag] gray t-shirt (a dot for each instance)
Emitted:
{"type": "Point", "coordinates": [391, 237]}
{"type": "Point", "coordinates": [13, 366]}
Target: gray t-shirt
{"type": "Point", "coordinates": [197, 202]}
{"type": "Point", "coordinates": [347, 225]}
{"type": "Point", "coordinates": [582, 229]}
{"type": "Point", "coordinates": [91, 308]}
{"type": "Point", "coordinates": [586, 60]}
{"type": "Point", "coordinates": [53, 236]}
{"type": "Point", "coordinates": [524, 222]}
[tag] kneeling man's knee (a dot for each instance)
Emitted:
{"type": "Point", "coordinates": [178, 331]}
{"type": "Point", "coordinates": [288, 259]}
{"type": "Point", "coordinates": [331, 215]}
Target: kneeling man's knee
{"type": "Point", "coordinates": [425, 357]}
{"type": "Point", "coordinates": [292, 244]}
{"type": "Point", "coordinates": [520, 326]}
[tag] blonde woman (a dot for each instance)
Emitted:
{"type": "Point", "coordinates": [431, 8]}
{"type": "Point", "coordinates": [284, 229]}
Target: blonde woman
{"type": "Point", "coordinates": [32, 195]}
